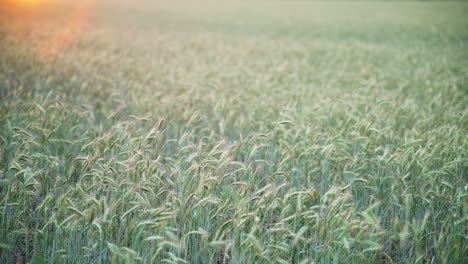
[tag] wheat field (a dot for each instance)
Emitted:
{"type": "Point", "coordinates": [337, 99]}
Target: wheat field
{"type": "Point", "coordinates": [233, 132]}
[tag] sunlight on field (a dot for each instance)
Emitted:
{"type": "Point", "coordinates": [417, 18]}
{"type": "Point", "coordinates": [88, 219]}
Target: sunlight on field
{"type": "Point", "coordinates": [28, 3]}
{"type": "Point", "coordinates": [69, 31]}
{"type": "Point", "coordinates": [233, 132]}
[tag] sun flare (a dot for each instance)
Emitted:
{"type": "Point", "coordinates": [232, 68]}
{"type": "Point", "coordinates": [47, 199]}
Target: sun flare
{"type": "Point", "coordinates": [29, 2]}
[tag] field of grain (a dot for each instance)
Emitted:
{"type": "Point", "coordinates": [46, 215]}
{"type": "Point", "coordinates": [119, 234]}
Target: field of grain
{"type": "Point", "coordinates": [233, 132]}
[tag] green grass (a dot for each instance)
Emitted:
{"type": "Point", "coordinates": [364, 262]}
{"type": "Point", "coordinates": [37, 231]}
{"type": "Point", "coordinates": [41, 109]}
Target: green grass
{"type": "Point", "coordinates": [265, 132]}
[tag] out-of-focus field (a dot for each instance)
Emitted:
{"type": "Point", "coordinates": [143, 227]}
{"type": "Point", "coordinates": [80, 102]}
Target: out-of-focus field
{"type": "Point", "coordinates": [222, 132]}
